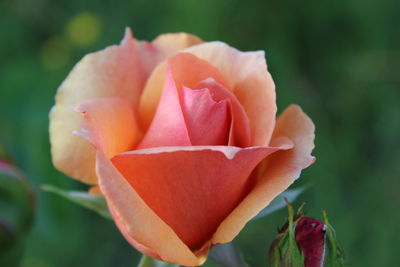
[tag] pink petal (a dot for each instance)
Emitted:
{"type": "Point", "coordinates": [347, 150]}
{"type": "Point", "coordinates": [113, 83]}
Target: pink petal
{"type": "Point", "coordinates": [192, 189]}
{"type": "Point", "coordinates": [187, 70]}
{"type": "Point", "coordinates": [246, 75]}
{"type": "Point", "coordinates": [207, 121]}
{"type": "Point", "coordinates": [108, 124]}
{"type": "Point", "coordinates": [240, 131]}
{"type": "Point", "coordinates": [282, 168]}
{"type": "Point", "coordinates": [168, 127]}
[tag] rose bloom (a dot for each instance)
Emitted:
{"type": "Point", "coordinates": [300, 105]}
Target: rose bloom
{"type": "Point", "coordinates": [181, 138]}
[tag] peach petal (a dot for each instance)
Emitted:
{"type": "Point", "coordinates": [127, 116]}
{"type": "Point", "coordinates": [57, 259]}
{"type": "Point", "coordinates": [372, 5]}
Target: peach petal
{"type": "Point", "coordinates": [207, 121]}
{"type": "Point", "coordinates": [136, 220]}
{"type": "Point", "coordinates": [247, 76]}
{"type": "Point", "coordinates": [112, 72]}
{"type": "Point", "coordinates": [108, 124]}
{"type": "Point", "coordinates": [283, 167]}
{"type": "Point", "coordinates": [168, 127]}
{"type": "Point", "coordinates": [187, 70]}
{"type": "Point", "coordinates": [192, 189]}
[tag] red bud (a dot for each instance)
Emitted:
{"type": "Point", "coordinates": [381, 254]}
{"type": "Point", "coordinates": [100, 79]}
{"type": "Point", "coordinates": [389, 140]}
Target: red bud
{"type": "Point", "coordinates": [310, 238]}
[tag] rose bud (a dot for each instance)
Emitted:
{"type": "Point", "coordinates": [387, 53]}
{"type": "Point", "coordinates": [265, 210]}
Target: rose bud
{"type": "Point", "coordinates": [304, 241]}
{"type": "Point", "coordinates": [310, 238]}
{"type": "Point", "coordinates": [182, 139]}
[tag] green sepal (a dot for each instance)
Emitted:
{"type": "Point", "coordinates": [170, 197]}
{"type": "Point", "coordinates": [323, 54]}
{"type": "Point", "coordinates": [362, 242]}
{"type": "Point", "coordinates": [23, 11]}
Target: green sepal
{"type": "Point", "coordinates": [147, 261]}
{"type": "Point", "coordinates": [227, 255]}
{"type": "Point", "coordinates": [94, 202]}
{"type": "Point", "coordinates": [279, 202]}
{"type": "Point", "coordinates": [284, 251]}
{"type": "Point", "coordinates": [334, 253]}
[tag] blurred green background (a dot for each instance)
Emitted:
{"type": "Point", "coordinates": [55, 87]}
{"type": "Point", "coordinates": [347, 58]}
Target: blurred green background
{"type": "Point", "coordinates": [339, 60]}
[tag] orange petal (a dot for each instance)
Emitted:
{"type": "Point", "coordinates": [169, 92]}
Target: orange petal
{"type": "Point", "coordinates": [136, 220]}
{"type": "Point", "coordinates": [283, 167]}
{"type": "Point", "coordinates": [108, 124]}
{"type": "Point", "coordinates": [192, 189]}
{"type": "Point", "coordinates": [112, 72]}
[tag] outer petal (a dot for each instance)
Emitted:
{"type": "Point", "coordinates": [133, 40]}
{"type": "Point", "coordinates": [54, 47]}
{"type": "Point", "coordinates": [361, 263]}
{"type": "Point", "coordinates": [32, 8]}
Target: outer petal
{"type": "Point", "coordinates": [108, 124]}
{"type": "Point", "coordinates": [283, 167]}
{"type": "Point", "coordinates": [113, 72]}
{"type": "Point", "coordinates": [136, 220]}
{"type": "Point", "coordinates": [192, 189]}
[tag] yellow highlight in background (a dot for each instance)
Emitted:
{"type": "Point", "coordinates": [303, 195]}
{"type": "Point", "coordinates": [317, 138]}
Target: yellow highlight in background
{"type": "Point", "coordinates": [83, 29]}
{"type": "Point", "coordinates": [55, 53]}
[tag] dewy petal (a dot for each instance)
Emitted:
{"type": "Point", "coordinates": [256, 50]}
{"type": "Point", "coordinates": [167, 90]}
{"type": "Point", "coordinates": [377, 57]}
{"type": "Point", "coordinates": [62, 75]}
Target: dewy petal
{"type": "Point", "coordinates": [112, 72]}
{"type": "Point", "coordinates": [283, 167]}
{"type": "Point", "coordinates": [192, 189]}
{"type": "Point", "coordinates": [168, 127]}
{"type": "Point", "coordinates": [208, 122]}
{"type": "Point", "coordinates": [108, 124]}
{"type": "Point", "coordinates": [136, 220]}
{"type": "Point", "coordinates": [187, 70]}
{"type": "Point", "coordinates": [247, 76]}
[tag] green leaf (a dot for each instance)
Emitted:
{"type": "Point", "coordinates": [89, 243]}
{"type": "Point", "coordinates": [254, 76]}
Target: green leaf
{"type": "Point", "coordinates": [147, 261]}
{"type": "Point", "coordinates": [227, 255]}
{"type": "Point", "coordinates": [279, 202]}
{"type": "Point", "coordinates": [93, 202]}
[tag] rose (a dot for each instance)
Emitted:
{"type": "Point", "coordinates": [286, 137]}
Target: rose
{"type": "Point", "coordinates": [184, 146]}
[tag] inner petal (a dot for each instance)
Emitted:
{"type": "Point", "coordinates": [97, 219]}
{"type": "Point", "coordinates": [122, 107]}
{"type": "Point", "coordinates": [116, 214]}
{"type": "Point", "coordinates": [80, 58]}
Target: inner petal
{"type": "Point", "coordinates": [168, 127]}
{"type": "Point", "coordinates": [208, 122]}
{"type": "Point", "coordinates": [240, 128]}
